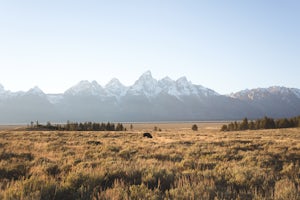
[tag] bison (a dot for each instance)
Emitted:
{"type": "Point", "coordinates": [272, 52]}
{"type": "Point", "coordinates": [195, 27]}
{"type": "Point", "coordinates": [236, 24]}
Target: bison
{"type": "Point", "coordinates": [147, 135]}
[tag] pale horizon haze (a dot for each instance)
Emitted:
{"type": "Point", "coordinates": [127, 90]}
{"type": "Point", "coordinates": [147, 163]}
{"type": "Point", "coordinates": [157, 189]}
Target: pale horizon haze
{"type": "Point", "coordinates": [226, 46]}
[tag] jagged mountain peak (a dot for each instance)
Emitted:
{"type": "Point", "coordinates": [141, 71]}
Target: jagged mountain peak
{"type": "Point", "coordinates": [94, 83]}
{"type": "Point", "coordinates": [166, 99]}
{"type": "Point", "coordinates": [251, 94]}
{"type": "Point", "coordinates": [150, 87]}
{"type": "Point", "coordinates": [114, 82]}
{"type": "Point", "coordinates": [86, 87]}
{"type": "Point", "coordinates": [186, 87]}
{"type": "Point", "coordinates": [145, 85]}
{"type": "Point", "coordinates": [146, 78]}
{"type": "Point", "coordinates": [166, 82]}
{"type": "Point", "coordinates": [261, 93]}
{"type": "Point", "coordinates": [182, 79]}
{"type": "Point", "coordinates": [86, 83]}
{"type": "Point", "coordinates": [35, 91]}
{"type": "Point", "coordinates": [147, 74]}
{"type": "Point", "coordinates": [115, 88]}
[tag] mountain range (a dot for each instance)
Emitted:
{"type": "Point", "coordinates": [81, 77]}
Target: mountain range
{"type": "Point", "coordinates": [147, 99]}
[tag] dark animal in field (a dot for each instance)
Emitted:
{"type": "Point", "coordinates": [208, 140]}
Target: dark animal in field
{"type": "Point", "coordinates": [147, 135]}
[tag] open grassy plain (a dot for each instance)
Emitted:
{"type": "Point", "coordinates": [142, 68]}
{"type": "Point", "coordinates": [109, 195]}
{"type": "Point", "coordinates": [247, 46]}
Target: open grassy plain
{"type": "Point", "coordinates": [177, 163]}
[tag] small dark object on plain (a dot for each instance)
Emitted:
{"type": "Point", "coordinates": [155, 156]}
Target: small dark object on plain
{"type": "Point", "coordinates": [94, 142]}
{"type": "Point", "coordinates": [148, 135]}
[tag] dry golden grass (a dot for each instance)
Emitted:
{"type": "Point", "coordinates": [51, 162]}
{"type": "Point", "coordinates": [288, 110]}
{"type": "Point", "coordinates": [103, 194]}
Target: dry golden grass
{"type": "Point", "coordinates": [177, 163]}
{"type": "Point", "coordinates": [174, 126]}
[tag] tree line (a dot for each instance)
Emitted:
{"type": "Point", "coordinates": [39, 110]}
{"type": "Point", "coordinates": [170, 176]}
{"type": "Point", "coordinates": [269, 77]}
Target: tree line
{"type": "Point", "coordinates": [75, 126]}
{"type": "Point", "coordinates": [263, 123]}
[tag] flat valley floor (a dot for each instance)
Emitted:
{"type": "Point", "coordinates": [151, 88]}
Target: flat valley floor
{"type": "Point", "coordinates": [177, 163]}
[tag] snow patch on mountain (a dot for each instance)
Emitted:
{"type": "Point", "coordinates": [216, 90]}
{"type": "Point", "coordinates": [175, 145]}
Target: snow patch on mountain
{"type": "Point", "coordinates": [296, 92]}
{"type": "Point", "coordinates": [279, 90]}
{"type": "Point", "coordinates": [188, 88]}
{"type": "Point", "coordinates": [185, 87]}
{"type": "Point", "coordinates": [168, 86]}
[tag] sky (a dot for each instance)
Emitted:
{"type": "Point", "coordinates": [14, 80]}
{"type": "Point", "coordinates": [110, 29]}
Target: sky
{"type": "Point", "coordinates": [227, 46]}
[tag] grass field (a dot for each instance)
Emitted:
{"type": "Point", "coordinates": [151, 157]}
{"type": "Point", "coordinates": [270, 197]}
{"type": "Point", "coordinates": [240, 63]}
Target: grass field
{"type": "Point", "coordinates": [177, 163]}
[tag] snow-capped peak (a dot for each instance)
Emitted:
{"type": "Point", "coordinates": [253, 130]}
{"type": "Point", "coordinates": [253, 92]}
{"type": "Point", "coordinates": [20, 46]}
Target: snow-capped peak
{"type": "Point", "coordinates": [260, 93]}
{"type": "Point", "coordinates": [35, 91]}
{"type": "Point", "coordinates": [114, 83]}
{"type": "Point", "coordinates": [4, 94]}
{"type": "Point", "coordinates": [115, 88]}
{"type": "Point", "coordinates": [253, 94]}
{"type": "Point", "coordinates": [150, 87]}
{"type": "Point", "coordinates": [145, 85]}
{"type": "Point", "coordinates": [86, 88]}
{"type": "Point", "coordinates": [186, 87]}
{"type": "Point", "coordinates": [147, 74]}
{"type": "Point", "coordinates": [183, 87]}
{"type": "Point", "coordinates": [146, 78]}
{"type": "Point", "coordinates": [183, 80]}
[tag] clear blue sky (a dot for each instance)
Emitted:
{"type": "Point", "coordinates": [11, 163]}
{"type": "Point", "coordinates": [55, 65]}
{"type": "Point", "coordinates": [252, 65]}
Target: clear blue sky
{"type": "Point", "coordinates": [224, 45]}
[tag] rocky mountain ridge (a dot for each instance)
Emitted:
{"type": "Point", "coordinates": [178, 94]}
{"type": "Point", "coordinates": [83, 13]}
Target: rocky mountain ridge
{"type": "Point", "coordinates": [147, 99]}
